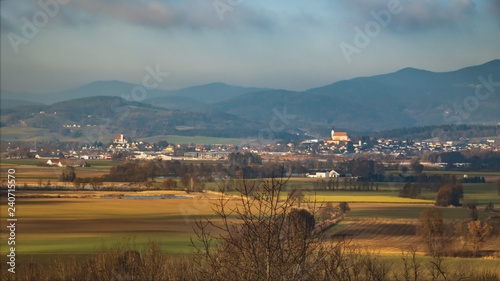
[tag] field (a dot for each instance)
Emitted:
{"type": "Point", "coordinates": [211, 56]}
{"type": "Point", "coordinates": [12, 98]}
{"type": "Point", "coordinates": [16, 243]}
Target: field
{"type": "Point", "coordinates": [28, 171]}
{"type": "Point", "coordinates": [80, 225]}
{"type": "Point", "coordinates": [25, 134]}
{"type": "Point", "coordinates": [60, 223]}
{"type": "Point", "coordinates": [29, 134]}
{"type": "Point", "coordinates": [55, 227]}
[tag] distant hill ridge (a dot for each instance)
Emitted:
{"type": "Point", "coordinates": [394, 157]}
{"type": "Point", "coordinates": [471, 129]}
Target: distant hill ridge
{"type": "Point", "coordinates": [405, 98]}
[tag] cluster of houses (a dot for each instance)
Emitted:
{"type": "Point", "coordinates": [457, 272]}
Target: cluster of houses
{"type": "Point", "coordinates": [337, 144]}
{"type": "Point", "coordinates": [395, 147]}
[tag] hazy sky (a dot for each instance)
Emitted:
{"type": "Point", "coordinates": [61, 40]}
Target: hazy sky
{"type": "Point", "coordinates": [287, 44]}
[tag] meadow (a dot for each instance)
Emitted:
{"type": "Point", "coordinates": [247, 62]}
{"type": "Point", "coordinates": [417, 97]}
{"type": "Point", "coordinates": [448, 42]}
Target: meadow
{"type": "Point", "coordinates": [62, 224]}
{"type": "Point", "coordinates": [55, 224]}
{"type": "Point", "coordinates": [81, 225]}
{"type": "Point", "coordinates": [30, 171]}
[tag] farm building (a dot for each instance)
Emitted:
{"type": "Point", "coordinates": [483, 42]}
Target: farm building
{"type": "Point", "coordinates": [323, 174]}
{"type": "Point", "coordinates": [54, 162]}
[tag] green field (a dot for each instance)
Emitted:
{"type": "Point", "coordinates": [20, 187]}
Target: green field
{"type": "Point", "coordinates": [403, 211]}
{"type": "Point", "coordinates": [80, 226]}
{"type": "Point", "coordinates": [28, 172]}
{"type": "Point", "coordinates": [449, 172]}
{"type": "Point", "coordinates": [59, 226]}
{"type": "Point", "coordinates": [26, 134]}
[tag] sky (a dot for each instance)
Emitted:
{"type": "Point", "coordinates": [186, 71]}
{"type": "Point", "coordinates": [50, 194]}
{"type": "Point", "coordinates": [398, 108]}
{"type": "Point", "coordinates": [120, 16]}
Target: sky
{"type": "Point", "coordinates": [54, 45]}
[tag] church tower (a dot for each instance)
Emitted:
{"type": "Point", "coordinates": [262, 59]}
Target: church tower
{"type": "Point", "coordinates": [339, 137]}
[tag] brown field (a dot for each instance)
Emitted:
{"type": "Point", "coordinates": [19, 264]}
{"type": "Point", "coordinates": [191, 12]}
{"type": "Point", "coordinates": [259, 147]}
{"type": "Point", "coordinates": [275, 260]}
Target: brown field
{"type": "Point", "coordinates": [69, 221]}
{"type": "Point", "coordinates": [392, 236]}
{"type": "Point", "coordinates": [386, 236]}
{"type": "Point", "coordinates": [79, 222]}
{"type": "Point", "coordinates": [59, 223]}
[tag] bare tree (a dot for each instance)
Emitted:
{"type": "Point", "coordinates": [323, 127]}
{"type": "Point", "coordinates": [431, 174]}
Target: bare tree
{"type": "Point", "coordinates": [271, 240]}
{"type": "Point", "coordinates": [478, 232]}
{"type": "Point", "coordinates": [297, 195]}
{"type": "Point", "coordinates": [328, 211]}
{"type": "Point", "coordinates": [431, 230]}
{"type": "Point", "coordinates": [344, 207]}
{"type": "Point", "coordinates": [68, 174]}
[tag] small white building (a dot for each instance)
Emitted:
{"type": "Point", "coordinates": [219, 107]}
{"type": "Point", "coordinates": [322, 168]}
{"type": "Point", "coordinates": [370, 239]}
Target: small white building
{"type": "Point", "coordinates": [54, 162]}
{"type": "Point", "coordinates": [323, 174]}
{"type": "Point", "coordinates": [120, 139]}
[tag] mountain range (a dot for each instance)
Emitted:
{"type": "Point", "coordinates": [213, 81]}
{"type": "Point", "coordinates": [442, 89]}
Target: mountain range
{"type": "Point", "coordinates": [405, 98]}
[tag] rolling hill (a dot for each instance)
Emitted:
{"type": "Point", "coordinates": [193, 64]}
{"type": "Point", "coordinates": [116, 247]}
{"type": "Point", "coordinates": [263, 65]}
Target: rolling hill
{"type": "Point", "coordinates": [406, 98]}
{"type": "Point", "coordinates": [116, 115]}
{"type": "Point", "coordinates": [422, 97]}
{"type": "Point", "coordinates": [205, 94]}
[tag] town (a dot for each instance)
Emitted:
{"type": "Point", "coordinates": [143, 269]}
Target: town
{"type": "Point", "coordinates": [339, 147]}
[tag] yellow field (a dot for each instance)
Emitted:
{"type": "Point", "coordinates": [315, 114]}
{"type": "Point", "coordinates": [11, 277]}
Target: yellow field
{"type": "Point", "coordinates": [81, 225]}
{"type": "Point", "coordinates": [355, 198]}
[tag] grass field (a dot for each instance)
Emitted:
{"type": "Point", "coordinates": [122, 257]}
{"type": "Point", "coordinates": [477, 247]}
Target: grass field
{"type": "Point", "coordinates": [80, 226]}
{"type": "Point", "coordinates": [361, 197]}
{"type": "Point", "coordinates": [29, 134]}
{"type": "Point", "coordinates": [49, 228]}
{"type": "Point", "coordinates": [450, 172]}
{"type": "Point", "coordinates": [401, 211]}
{"type": "Point", "coordinates": [25, 134]}
{"type": "Point", "coordinates": [28, 172]}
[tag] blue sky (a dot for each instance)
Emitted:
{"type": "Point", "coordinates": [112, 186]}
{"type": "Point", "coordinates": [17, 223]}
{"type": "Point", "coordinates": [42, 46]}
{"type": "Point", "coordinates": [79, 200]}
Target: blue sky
{"type": "Point", "coordinates": [288, 44]}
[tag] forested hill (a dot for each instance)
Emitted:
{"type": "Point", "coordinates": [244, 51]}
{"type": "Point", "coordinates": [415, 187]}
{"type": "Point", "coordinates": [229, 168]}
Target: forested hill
{"type": "Point", "coordinates": [444, 132]}
{"type": "Point", "coordinates": [117, 115]}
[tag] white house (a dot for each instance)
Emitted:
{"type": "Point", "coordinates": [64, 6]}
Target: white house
{"type": "Point", "coordinates": [323, 174]}
{"type": "Point", "coordinates": [54, 162]}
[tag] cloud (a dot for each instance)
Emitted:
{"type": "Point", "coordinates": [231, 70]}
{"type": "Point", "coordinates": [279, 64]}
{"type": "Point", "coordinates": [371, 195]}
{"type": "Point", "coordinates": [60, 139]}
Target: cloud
{"type": "Point", "coordinates": [495, 7]}
{"type": "Point", "coordinates": [192, 14]}
{"type": "Point", "coordinates": [417, 16]}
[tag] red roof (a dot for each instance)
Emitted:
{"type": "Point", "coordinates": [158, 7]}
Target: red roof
{"type": "Point", "coordinates": [340, 134]}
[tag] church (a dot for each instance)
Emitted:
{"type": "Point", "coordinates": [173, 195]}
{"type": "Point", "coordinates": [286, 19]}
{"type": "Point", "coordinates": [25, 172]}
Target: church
{"type": "Point", "coordinates": [338, 137]}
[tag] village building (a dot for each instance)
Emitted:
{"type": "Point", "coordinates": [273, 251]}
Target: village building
{"type": "Point", "coordinates": [67, 163]}
{"type": "Point", "coordinates": [338, 138]}
{"type": "Point", "coordinates": [55, 162]}
{"type": "Point", "coordinates": [120, 140]}
{"type": "Point", "coordinates": [323, 174]}
{"type": "Point", "coordinates": [46, 156]}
